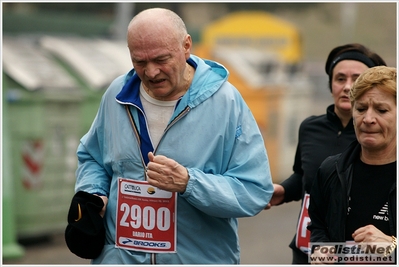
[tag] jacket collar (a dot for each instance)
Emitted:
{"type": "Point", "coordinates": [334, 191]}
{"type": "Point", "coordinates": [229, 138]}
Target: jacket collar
{"type": "Point", "coordinates": [130, 93]}
{"type": "Point", "coordinates": [332, 116]}
{"type": "Point", "coordinates": [348, 156]}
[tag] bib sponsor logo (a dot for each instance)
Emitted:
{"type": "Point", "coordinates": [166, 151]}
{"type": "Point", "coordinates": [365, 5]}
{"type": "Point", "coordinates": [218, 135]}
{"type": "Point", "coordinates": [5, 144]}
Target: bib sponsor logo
{"type": "Point", "coordinates": [151, 190]}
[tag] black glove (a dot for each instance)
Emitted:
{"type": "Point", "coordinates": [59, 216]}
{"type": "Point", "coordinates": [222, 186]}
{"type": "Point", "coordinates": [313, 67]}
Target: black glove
{"type": "Point", "coordinates": [85, 233]}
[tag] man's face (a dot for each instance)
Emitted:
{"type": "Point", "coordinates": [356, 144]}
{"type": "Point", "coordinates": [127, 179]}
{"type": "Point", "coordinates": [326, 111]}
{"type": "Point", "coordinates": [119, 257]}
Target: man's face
{"type": "Point", "coordinates": [159, 59]}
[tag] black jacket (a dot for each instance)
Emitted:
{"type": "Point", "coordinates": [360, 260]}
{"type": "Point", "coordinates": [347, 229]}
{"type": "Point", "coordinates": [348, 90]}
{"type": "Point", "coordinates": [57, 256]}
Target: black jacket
{"type": "Point", "coordinates": [318, 137]}
{"type": "Point", "coordinates": [329, 197]}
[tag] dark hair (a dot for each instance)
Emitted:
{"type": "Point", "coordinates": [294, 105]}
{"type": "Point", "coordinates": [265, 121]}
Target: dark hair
{"type": "Point", "coordinates": [352, 51]}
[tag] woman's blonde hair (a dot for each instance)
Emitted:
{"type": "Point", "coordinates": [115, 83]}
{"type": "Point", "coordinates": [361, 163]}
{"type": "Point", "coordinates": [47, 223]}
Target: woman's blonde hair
{"type": "Point", "coordinates": [382, 77]}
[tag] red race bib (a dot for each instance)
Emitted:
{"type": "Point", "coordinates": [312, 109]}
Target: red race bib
{"type": "Point", "coordinates": [146, 217]}
{"type": "Point", "coordinates": [302, 233]}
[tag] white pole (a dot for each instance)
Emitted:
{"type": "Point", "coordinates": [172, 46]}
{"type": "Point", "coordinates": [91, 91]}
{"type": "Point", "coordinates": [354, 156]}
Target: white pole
{"type": "Point", "coordinates": [348, 21]}
{"type": "Point", "coordinates": [123, 15]}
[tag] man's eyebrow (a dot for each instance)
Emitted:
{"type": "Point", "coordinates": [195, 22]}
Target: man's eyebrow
{"type": "Point", "coordinates": [160, 57]}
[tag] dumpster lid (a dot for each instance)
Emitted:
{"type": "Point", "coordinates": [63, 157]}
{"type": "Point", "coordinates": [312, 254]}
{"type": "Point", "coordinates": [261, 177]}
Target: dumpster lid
{"type": "Point", "coordinates": [22, 56]}
{"type": "Point", "coordinates": [97, 61]}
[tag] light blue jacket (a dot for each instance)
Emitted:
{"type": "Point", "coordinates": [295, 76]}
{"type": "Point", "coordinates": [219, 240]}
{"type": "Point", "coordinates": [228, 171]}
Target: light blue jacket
{"type": "Point", "coordinates": [214, 135]}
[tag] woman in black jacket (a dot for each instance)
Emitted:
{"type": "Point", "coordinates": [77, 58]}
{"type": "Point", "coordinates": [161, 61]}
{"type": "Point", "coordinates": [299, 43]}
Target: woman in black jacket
{"type": "Point", "coordinates": [322, 136]}
{"type": "Point", "coordinates": [353, 199]}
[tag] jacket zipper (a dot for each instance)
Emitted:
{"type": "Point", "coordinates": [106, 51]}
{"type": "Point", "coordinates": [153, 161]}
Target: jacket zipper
{"type": "Point", "coordinates": [136, 133]}
{"type": "Point", "coordinates": [177, 118]}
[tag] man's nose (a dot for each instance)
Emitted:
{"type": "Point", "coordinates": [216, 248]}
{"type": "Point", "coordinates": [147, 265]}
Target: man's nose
{"type": "Point", "coordinates": [151, 70]}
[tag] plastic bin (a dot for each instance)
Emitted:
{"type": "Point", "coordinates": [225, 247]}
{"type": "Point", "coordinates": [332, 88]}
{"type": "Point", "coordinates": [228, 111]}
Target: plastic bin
{"type": "Point", "coordinates": [11, 249]}
{"type": "Point", "coordinates": [44, 113]}
{"type": "Point", "coordinates": [54, 88]}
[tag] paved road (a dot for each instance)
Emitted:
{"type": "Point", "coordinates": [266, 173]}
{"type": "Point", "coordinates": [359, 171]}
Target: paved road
{"type": "Point", "coordinates": [264, 239]}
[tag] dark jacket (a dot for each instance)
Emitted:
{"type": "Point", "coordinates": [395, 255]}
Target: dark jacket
{"type": "Point", "coordinates": [329, 197]}
{"type": "Point", "coordinates": [318, 137]}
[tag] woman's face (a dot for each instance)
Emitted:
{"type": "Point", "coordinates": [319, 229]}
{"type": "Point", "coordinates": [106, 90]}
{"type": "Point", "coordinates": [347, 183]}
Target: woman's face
{"type": "Point", "coordinates": [344, 75]}
{"type": "Point", "coordinates": [374, 118]}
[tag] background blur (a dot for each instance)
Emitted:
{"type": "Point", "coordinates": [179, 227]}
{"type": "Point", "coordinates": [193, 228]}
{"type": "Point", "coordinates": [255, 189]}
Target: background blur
{"type": "Point", "coordinates": [59, 58]}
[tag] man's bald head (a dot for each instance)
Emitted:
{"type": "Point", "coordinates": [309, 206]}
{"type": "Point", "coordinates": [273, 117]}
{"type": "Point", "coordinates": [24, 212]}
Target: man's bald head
{"type": "Point", "coordinates": [157, 21]}
{"type": "Point", "coordinates": [159, 47]}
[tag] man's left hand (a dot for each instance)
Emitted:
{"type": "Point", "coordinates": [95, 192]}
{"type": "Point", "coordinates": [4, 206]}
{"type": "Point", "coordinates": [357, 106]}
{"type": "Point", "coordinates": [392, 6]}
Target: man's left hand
{"type": "Point", "coordinates": [166, 174]}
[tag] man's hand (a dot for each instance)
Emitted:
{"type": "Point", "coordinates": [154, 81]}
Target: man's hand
{"type": "Point", "coordinates": [166, 174]}
{"type": "Point", "coordinates": [105, 200]}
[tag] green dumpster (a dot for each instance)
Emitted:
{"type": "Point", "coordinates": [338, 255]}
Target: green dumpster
{"type": "Point", "coordinates": [44, 110]}
{"type": "Point", "coordinates": [11, 249]}
{"type": "Point", "coordinates": [54, 88]}
{"type": "Point", "coordinates": [93, 62]}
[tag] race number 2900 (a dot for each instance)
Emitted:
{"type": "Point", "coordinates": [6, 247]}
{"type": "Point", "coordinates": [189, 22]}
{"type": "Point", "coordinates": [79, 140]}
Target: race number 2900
{"type": "Point", "coordinates": [146, 217]}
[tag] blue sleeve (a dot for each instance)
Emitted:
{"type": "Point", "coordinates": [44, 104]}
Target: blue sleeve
{"type": "Point", "coordinates": [245, 187]}
{"type": "Point", "coordinates": [92, 175]}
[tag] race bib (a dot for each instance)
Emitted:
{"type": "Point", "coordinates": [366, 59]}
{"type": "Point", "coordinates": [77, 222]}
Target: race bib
{"type": "Point", "coordinates": [302, 233]}
{"type": "Point", "coordinates": [146, 217]}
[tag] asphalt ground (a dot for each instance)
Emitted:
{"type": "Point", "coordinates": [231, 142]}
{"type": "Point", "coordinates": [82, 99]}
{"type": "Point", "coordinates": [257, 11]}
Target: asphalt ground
{"type": "Point", "coordinates": [264, 240]}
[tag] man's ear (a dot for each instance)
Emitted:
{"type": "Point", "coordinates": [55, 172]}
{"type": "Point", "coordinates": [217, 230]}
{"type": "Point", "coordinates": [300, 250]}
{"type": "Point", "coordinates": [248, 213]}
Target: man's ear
{"type": "Point", "coordinates": [187, 45]}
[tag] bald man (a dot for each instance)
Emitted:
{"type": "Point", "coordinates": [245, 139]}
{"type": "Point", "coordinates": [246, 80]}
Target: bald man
{"type": "Point", "coordinates": [174, 152]}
